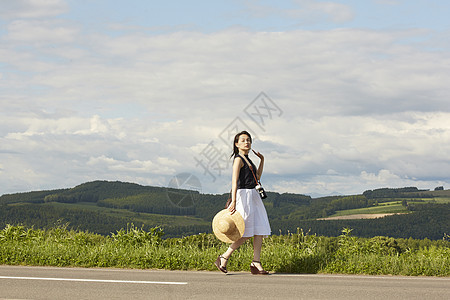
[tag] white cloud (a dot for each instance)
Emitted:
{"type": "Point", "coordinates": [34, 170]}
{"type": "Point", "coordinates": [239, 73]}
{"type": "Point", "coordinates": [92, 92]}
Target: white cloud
{"type": "Point", "coordinates": [32, 8]}
{"type": "Point", "coordinates": [40, 32]}
{"type": "Point", "coordinates": [383, 178]}
{"type": "Point", "coordinates": [112, 164]}
{"type": "Point", "coordinates": [353, 153]}
{"type": "Point", "coordinates": [322, 185]}
{"type": "Point", "coordinates": [361, 108]}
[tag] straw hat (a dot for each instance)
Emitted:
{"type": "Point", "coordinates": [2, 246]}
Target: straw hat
{"type": "Point", "coordinates": [228, 227]}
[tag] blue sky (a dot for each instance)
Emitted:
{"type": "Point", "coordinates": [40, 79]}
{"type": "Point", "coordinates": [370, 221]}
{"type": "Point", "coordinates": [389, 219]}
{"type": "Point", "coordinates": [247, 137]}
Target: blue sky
{"type": "Point", "coordinates": [138, 91]}
{"type": "Point", "coordinates": [209, 16]}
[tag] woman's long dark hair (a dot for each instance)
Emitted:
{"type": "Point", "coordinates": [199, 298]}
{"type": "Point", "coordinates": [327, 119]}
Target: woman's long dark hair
{"type": "Point", "coordinates": [236, 139]}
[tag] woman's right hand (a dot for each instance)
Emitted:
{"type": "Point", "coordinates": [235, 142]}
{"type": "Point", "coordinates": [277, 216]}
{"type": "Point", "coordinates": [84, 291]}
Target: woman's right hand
{"type": "Point", "coordinates": [232, 207]}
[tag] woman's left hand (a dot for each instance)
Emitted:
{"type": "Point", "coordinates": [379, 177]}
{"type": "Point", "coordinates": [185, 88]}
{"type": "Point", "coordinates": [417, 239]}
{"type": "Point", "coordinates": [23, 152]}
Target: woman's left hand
{"type": "Point", "coordinates": [261, 157]}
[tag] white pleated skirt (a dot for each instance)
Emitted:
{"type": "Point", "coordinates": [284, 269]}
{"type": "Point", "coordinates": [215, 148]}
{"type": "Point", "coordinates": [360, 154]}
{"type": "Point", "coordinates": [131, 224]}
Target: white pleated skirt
{"type": "Point", "coordinates": [251, 207]}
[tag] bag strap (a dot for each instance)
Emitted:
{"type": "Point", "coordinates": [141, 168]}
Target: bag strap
{"type": "Point", "coordinates": [250, 166]}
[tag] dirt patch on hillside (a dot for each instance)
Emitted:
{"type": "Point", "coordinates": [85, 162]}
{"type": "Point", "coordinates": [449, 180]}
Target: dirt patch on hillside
{"type": "Point", "coordinates": [360, 216]}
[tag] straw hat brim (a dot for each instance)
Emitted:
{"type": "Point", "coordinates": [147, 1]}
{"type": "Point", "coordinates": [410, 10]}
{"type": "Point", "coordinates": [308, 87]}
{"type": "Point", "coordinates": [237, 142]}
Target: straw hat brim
{"type": "Point", "coordinates": [238, 221]}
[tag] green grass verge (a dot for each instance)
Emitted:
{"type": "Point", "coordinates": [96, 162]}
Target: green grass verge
{"type": "Point", "coordinates": [293, 253]}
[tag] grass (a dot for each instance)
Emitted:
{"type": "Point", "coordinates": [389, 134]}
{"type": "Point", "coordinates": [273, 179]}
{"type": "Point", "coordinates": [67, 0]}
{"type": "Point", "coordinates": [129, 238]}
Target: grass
{"type": "Point", "coordinates": [384, 209]}
{"type": "Point", "coordinates": [441, 200]}
{"type": "Point", "coordinates": [292, 253]}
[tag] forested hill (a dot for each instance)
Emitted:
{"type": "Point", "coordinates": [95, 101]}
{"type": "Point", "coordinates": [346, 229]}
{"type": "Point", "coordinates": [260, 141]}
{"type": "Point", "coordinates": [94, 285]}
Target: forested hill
{"type": "Point", "coordinates": [105, 207]}
{"type": "Point", "coordinates": [86, 192]}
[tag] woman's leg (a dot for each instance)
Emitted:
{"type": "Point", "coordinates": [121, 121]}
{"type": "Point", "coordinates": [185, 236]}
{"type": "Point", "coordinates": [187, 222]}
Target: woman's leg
{"type": "Point", "coordinates": [231, 249]}
{"type": "Point", "coordinates": [257, 245]}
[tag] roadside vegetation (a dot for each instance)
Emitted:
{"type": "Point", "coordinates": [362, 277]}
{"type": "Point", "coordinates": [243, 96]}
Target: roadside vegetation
{"type": "Point", "coordinates": [297, 252]}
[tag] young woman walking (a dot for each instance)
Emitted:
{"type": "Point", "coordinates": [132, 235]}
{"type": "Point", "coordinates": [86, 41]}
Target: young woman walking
{"type": "Point", "coordinates": [246, 200]}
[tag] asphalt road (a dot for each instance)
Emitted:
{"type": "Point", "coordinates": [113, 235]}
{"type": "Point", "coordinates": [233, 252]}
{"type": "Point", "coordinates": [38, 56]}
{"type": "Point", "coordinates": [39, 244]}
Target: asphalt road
{"type": "Point", "coordinates": [20, 282]}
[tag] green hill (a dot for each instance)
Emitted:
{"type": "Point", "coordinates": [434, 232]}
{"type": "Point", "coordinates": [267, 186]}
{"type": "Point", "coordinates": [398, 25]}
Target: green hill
{"type": "Point", "coordinates": [104, 207]}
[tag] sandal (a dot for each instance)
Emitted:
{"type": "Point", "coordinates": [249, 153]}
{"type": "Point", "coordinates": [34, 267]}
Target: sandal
{"type": "Point", "coordinates": [218, 264]}
{"type": "Point", "coordinates": [255, 270]}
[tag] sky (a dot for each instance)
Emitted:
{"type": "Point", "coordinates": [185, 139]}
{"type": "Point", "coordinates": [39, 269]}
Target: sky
{"type": "Point", "coordinates": [340, 96]}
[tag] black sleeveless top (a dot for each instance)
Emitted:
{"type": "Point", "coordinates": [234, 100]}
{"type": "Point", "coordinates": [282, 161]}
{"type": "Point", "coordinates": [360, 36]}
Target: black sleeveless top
{"type": "Point", "coordinates": [246, 179]}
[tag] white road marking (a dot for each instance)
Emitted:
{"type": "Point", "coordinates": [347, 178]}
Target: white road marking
{"type": "Point", "coordinates": [92, 280]}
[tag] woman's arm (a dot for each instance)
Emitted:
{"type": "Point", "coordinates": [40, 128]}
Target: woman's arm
{"type": "Point", "coordinates": [237, 165]}
{"type": "Point", "coordinates": [261, 164]}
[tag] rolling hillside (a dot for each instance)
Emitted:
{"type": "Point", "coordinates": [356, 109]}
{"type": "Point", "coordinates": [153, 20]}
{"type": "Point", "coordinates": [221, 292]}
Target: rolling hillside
{"type": "Point", "coordinates": [104, 207]}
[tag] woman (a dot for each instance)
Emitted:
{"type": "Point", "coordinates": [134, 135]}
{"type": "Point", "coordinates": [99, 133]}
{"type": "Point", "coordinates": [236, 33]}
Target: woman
{"type": "Point", "coordinates": [246, 200]}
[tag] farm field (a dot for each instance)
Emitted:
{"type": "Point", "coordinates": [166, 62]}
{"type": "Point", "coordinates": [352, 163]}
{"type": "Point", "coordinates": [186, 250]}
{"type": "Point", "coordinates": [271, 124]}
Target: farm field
{"type": "Point", "coordinates": [384, 208]}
